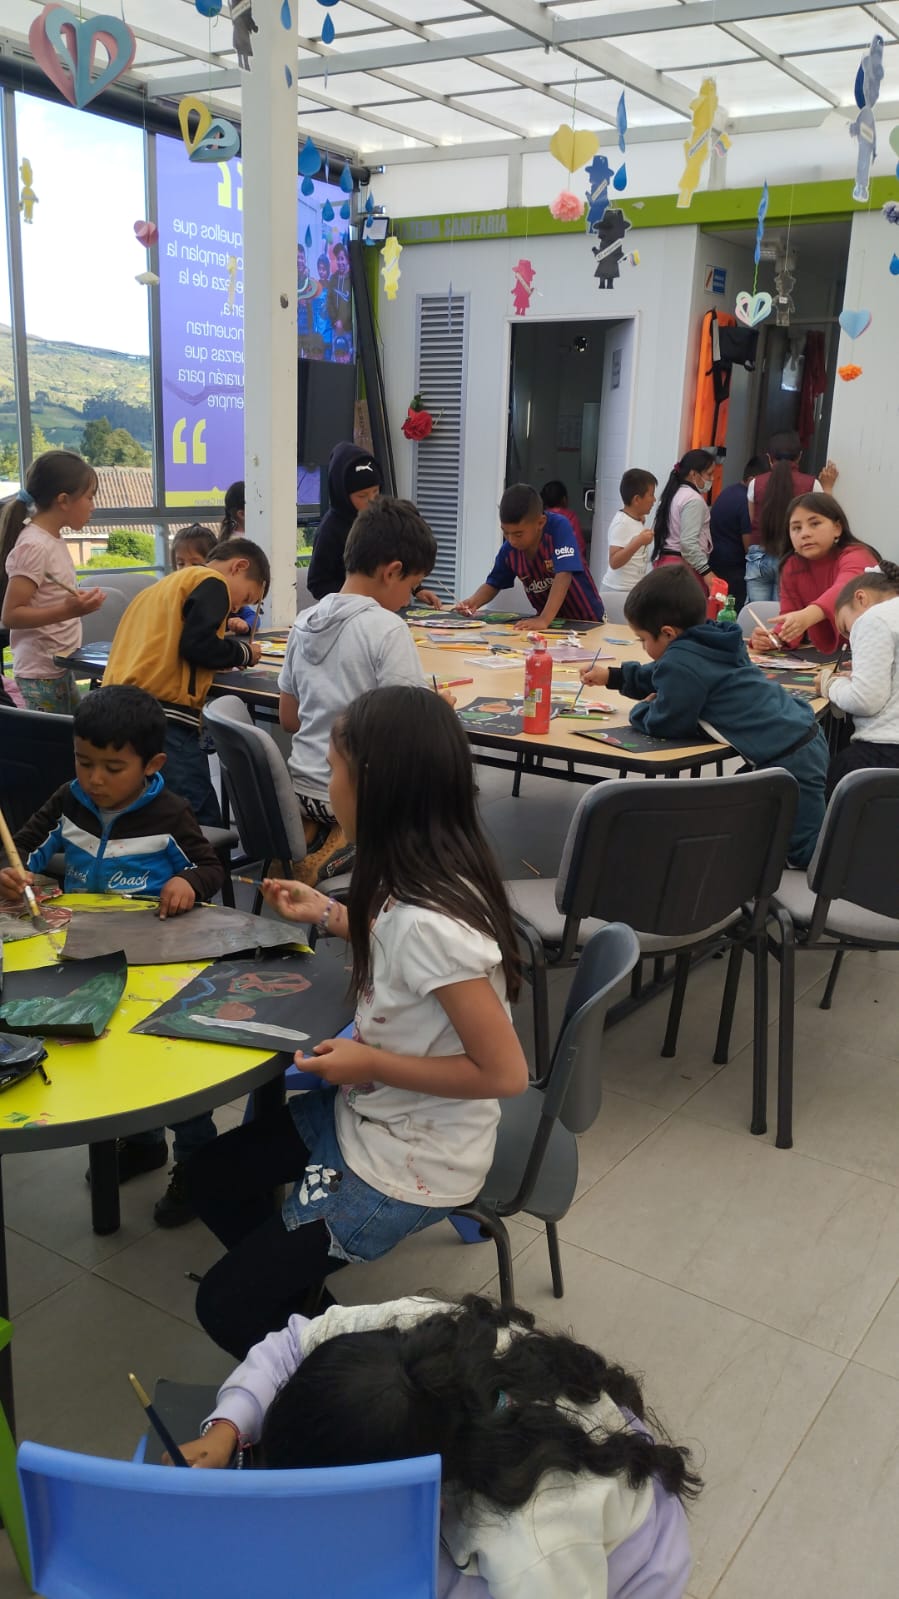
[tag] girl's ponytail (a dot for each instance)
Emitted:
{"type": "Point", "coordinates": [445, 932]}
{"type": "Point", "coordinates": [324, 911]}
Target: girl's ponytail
{"type": "Point", "coordinates": [13, 517]}
{"type": "Point", "coordinates": [784, 451]}
{"type": "Point", "coordinates": [693, 461]}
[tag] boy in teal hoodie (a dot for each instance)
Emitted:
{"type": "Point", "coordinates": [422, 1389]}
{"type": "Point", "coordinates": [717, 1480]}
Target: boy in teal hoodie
{"type": "Point", "coordinates": [700, 680]}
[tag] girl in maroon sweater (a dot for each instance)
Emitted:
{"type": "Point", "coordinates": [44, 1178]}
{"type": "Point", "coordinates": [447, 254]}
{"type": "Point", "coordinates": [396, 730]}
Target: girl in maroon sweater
{"type": "Point", "coordinates": [825, 554]}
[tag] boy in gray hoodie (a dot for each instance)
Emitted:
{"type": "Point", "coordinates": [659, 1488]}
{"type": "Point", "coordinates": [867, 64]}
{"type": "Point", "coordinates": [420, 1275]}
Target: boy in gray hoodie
{"type": "Point", "coordinates": [350, 642]}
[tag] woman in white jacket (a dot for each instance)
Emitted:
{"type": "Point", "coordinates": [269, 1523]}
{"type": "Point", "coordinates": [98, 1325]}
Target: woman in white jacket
{"type": "Point", "coordinates": [867, 612]}
{"type": "Point", "coordinates": [553, 1484]}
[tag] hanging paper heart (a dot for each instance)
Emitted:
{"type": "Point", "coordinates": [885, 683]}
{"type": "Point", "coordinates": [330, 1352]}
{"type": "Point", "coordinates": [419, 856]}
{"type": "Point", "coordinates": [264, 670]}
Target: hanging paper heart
{"type": "Point", "coordinates": [208, 8]}
{"type": "Point", "coordinates": [149, 279]}
{"type": "Point", "coordinates": [751, 309]}
{"type": "Point", "coordinates": [573, 149]}
{"type": "Point", "coordinates": [854, 323]}
{"type": "Point", "coordinates": [309, 160]}
{"type": "Point", "coordinates": [619, 181]}
{"type": "Point", "coordinates": [64, 47]}
{"type": "Point", "coordinates": [189, 107]}
{"type": "Point", "coordinates": [327, 212]}
{"type": "Point", "coordinates": [146, 232]}
{"type": "Point", "coordinates": [213, 139]}
{"type": "Point", "coordinates": [328, 30]}
{"type": "Point", "coordinates": [307, 186]}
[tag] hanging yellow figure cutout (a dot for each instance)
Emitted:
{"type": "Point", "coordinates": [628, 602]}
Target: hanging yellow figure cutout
{"type": "Point", "coordinates": [390, 271]}
{"type": "Point", "coordinates": [703, 136]}
{"type": "Point", "coordinates": [28, 199]}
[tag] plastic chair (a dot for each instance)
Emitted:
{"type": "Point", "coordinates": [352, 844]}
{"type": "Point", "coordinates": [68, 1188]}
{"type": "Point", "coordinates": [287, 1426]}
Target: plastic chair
{"type": "Point", "coordinates": [128, 580]}
{"type": "Point", "coordinates": [535, 1163]}
{"type": "Point", "coordinates": [689, 865]}
{"type": "Point", "coordinates": [99, 627]}
{"type": "Point", "coordinates": [115, 1530]}
{"type": "Point", "coordinates": [36, 756]}
{"type": "Point", "coordinates": [765, 610]}
{"type": "Point", "coordinates": [847, 899]}
{"type": "Point", "coordinates": [260, 793]}
{"type": "Point", "coordinates": [11, 1511]}
{"type": "Point", "coordinates": [613, 604]}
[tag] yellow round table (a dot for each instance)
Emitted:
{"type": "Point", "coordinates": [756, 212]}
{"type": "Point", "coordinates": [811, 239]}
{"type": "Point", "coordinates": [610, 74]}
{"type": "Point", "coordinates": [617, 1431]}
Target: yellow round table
{"type": "Point", "coordinates": [122, 1083]}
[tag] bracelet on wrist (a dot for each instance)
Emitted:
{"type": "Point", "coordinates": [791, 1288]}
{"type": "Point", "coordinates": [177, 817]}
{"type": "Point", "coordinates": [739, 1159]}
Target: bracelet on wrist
{"type": "Point", "coordinates": [324, 920]}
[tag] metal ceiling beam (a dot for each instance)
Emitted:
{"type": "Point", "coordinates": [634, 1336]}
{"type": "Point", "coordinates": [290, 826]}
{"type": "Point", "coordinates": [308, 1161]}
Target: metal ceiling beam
{"type": "Point", "coordinates": [697, 14]}
{"type": "Point", "coordinates": [884, 23]}
{"type": "Point", "coordinates": [788, 68]}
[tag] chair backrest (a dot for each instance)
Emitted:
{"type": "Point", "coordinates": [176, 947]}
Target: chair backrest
{"type": "Point", "coordinates": [675, 858]}
{"type": "Point", "coordinates": [99, 627]}
{"type": "Point", "coordinates": [128, 580]}
{"type": "Point", "coordinates": [266, 810]}
{"type": "Point", "coordinates": [37, 755]}
{"type": "Point", "coordinates": [613, 604]}
{"type": "Point", "coordinates": [856, 853]}
{"type": "Point", "coordinates": [765, 610]}
{"type": "Point", "coordinates": [574, 1087]}
{"type": "Point", "coordinates": [116, 1530]}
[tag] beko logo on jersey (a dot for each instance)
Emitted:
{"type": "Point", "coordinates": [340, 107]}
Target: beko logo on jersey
{"type": "Point", "coordinates": [566, 549]}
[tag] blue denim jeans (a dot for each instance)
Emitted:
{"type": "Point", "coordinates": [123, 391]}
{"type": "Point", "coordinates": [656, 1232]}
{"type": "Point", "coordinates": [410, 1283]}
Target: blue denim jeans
{"type": "Point", "coordinates": [189, 1135]}
{"type": "Point", "coordinates": [187, 773]}
{"type": "Point", "coordinates": [762, 572]}
{"type": "Point", "coordinates": [809, 767]}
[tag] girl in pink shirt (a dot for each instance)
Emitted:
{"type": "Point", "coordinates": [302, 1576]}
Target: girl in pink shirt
{"type": "Point", "coordinates": [825, 554]}
{"type": "Point", "coordinates": [36, 569]}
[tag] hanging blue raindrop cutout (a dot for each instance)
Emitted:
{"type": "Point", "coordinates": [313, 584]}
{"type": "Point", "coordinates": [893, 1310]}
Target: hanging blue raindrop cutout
{"type": "Point", "coordinates": [288, 76]}
{"type": "Point", "coordinates": [327, 212]}
{"type": "Point", "coordinates": [310, 160]}
{"type": "Point", "coordinates": [345, 210]}
{"type": "Point", "coordinates": [208, 8]}
{"type": "Point", "coordinates": [894, 266]}
{"type": "Point", "coordinates": [308, 238]}
{"type": "Point", "coordinates": [619, 181]}
{"type": "Point", "coordinates": [370, 203]}
{"type": "Point", "coordinates": [328, 30]}
{"type": "Point", "coordinates": [307, 186]}
{"type": "Point", "coordinates": [346, 180]}
{"type": "Point", "coordinates": [286, 18]}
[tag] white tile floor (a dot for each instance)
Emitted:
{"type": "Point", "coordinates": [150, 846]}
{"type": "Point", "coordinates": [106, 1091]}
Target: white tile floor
{"type": "Point", "coordinates": [756, 1289]}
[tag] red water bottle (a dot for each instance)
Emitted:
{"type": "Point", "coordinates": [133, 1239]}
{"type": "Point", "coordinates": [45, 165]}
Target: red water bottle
{"type": "Point", "coordinates": [538, 677]}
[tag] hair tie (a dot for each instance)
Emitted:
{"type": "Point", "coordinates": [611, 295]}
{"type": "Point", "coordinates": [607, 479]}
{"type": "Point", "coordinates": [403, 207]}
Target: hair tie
{"type": "Point", "coordinates": [874, 569]}
{"type": "Point", "coordinates": [25, 497]}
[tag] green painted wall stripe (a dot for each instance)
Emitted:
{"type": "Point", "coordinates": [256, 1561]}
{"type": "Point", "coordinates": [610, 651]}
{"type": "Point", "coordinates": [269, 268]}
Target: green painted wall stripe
{"type": "Point", "coordinates": [803, 202]}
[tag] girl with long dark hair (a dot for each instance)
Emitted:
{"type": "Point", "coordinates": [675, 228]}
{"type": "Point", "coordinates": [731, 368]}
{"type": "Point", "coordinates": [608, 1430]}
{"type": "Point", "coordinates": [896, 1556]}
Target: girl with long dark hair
{"type": "Point", "coordinates": [403, 1128]}
{"type": "Point", "coordinates": [552, 1481]}
{"type": "Point", "coordinates": [769, 498]}
{"type": "Point", "coordinates": [682, 530]}
{"type": "Point", "coordinates": [823, 553]}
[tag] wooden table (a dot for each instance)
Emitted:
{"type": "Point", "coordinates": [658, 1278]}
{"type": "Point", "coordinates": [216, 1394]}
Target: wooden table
{"type": "Point", "coordinates": [123, 1083]}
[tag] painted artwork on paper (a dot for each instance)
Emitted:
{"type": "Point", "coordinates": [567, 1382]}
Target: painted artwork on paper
{"type": "Point", "coordinates": [254, 1004]}
{"type": "Point", "coordinates": [204, 933]}
{"type": "Point", "coordinates": [75, 999]}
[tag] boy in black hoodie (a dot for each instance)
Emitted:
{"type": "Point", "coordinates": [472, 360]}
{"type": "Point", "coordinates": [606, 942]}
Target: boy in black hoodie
{"type": "Point", "coordinates": [700, 679]}
{"type": "Point", "coordinates": [354, 480]}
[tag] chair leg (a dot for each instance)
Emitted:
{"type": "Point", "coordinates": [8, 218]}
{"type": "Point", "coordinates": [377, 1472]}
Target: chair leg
{"type": "Point", "coordinates": [831, 984]}
{"type": "Point", "coordinates": [496, 1228]}
{"type": "Point", "coordinates": [785, 1025]}
{"type": "Point", "coordinates": [555, 1259]}
{"type": "Point", "coordinates": [759, 1122]}
{"type": "Point", "coordinates": [516, 781]}
{"type": "Point", "coordinates": [728, 1004]}
{"type": "Point", "coordinates": [681, 973]}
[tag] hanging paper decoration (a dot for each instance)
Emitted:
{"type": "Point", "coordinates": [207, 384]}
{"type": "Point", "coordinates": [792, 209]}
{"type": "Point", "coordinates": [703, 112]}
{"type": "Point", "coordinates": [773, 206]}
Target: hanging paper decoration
{"type": "Point", "coordinates": [566, 207]}
{"type": "Point", "coordinates": [327, 212]}
{"type": "Point", "coordinates": [286, 18]}
{"type": "Point", "coordinates": [867, 90]}
{"type": "Point", "coordinates": [146, 233]}
{"type": "Point", "coordinates": [523, 286]}
{"type": "Point", "coordinates": [599, 176]}
{"type": "Point", "coordinates": [309, 160]}
{"type": "Point", "coordinates": [849, 373]}
{"type": "Point", "coordinates": [346, 184]}
{"type": "Point", "coordinates": [621, 122]}
{"type": "Point", "coordinates": [751, 309]}
{"type": "Point", "coordinates": [610, 251]}
{"type": "Point", "coordinates": [853, 324]}
{"type": "Point", "coordinates": [704, 137]}
{"type": "Point", "coordinates": [232, 278]}
{"type": "Point", "coordinates": [760, 216]}
{"type": "Point", "coordinates": [891, 211]}
{"type": "Point", "coordinates": [208, 8]}
{"type": "Point", "coordinates": [213, 139]}
{"type": "Point", "coordinates": [894, 266]}
{"type": "Point", "coordinates": [148, 278]}
{"type": "Point", "coordinates": [288, 76]}
{"type": "Point", "coordinates": [27, 199]}
{"type": "Point", "coordinates": [419, 423]}
{"type": "Point", "coordinates": [242, 29]}
{"type": "Point", "coordinates": [619, 181]}
{"type": "Point", "coordinates": [328, 28]}
{"type": "Point", "coordinates": [64, 47]}
{"type": "Point", "coordinates": [308, 238]}
{"type": "Point", "coordinates": [369, 216]}
{"type": "Point", "coordinates": [390, 271]}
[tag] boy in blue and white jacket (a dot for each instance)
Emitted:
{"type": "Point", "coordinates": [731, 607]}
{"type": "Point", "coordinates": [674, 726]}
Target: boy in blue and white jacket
{"type": "Point", "coordinates": [700, 680]}
{"type": "Point", "coordinates": [120, 829]}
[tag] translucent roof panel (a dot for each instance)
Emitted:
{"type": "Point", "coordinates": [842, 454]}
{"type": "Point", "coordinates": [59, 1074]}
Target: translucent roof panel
{"type": "Point", "coordinates": [544, 66]}
{"type": "Point", "coordinates": [837, 69]}
{"type": "Point", "coordinates": [755, 86]}
{"type": "Point", "coordinates": [603, 97]}
{"type": "Point", "coordinates": [684, 47]}
{"type": "Point", "coordinates": [448, 77]}
{"type": "Point", "coordinates": [813, 30]}
{"type": "Point", "coordinates": [522, 107]}
{"type": "Point", "coordinates": [356, 88]}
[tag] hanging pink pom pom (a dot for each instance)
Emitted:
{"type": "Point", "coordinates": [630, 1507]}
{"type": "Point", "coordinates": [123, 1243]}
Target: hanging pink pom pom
{"type": "Point", "coordinates": [567, 207]}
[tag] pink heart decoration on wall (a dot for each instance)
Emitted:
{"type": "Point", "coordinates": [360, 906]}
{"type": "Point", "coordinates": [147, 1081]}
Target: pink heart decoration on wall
{"type": "Point", "coordinates": [146, 232]}
{"type": "Point", "coordinates": [65, 47]}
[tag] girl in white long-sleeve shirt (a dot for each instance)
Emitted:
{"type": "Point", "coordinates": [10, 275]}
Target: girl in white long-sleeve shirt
{"type": "Point", "coordinates": [553, 1486]}
{"type": "Point", "coordinates": [867, 611]}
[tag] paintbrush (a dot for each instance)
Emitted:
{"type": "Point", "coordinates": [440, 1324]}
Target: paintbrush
{"type": "Point", "coordinates": [777, 642]}
{"type": "Point", "coordinates": [157, 1423]}
{"type": "Point", "coordinates": [589, 669]}
{"type": "Point", "coordinates": [256, 882]}
{"type": "Point", "coordinates": [15, 860]}
{"type": "Point", "coordinates": [49, 578]}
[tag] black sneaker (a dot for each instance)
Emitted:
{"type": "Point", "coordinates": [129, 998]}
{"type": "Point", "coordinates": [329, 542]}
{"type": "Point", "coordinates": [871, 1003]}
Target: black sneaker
{"type": "Point", "coordinates": [174, 1209]}
{"type": "Point", "coordinates": [136, 1158]}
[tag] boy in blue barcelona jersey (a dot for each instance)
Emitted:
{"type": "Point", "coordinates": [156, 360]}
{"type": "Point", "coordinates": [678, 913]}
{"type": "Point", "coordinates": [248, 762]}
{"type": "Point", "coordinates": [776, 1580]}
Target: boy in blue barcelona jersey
{"type": "Point", "coordinates": [539, 548]}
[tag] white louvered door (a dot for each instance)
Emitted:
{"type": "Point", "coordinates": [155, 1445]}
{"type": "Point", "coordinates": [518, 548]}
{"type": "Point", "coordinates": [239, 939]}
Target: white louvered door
{"type": "Point", "coordinates": [441, 364]}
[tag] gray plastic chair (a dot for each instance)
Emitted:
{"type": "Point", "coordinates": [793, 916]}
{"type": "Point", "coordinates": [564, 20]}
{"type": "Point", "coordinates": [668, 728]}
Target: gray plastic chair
{"type": "Point", "coordinates": [535, 1164]}
{"type": "Point", "coordinates": [613, 604]}
{"type": "Point", "coordinates": [689, 865]}
{"type": "Point", "coordinates": [260, 793]}
{"type": "Point", "coordinates": [765, 610]}
{"type": "Point", "coordinates": [99, 627]}
{"type": "Point", "coordinates": [37, 756]}
{"type": "Point", "coordinates": [847, 899]}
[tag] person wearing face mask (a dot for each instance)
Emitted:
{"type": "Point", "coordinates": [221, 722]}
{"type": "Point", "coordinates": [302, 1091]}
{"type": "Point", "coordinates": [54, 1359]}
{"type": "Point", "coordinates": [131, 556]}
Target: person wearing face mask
{"type": "Point", "coordinates": [682, 524]}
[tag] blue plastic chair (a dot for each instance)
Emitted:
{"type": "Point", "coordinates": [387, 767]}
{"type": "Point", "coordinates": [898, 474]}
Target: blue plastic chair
{"type": "Point", "coordinates": [115, 1530]}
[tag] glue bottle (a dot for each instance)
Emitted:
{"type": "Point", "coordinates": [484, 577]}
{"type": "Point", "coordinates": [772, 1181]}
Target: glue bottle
{"type": "Point", "coordinates": [538, 676]}
{"type": "Point", "coordinates": [728, 612]}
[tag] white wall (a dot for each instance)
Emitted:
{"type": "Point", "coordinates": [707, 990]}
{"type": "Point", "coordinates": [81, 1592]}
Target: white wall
{"type": "Point", "coordinates": [615, 453]}
{"type": "Point", "coordinates": [657, 293]}
{"type": "Point", "coordinates": [864, 428]}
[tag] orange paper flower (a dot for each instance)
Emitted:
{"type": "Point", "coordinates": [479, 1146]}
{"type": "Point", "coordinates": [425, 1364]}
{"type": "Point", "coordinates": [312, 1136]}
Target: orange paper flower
{"type": "Point", "coordinates": [849, 373]}
{"type": "Point", "coordinates": [567, 207]}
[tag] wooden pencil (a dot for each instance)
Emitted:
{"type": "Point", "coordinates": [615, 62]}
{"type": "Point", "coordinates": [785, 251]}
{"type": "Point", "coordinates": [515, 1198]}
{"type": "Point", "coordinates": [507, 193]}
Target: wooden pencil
{"type": "Point", "coordinates": [157, 1423]}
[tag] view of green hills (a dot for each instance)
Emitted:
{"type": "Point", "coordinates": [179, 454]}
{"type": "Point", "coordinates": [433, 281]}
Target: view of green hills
{"type": "Point", "coordinates": [73, 383]}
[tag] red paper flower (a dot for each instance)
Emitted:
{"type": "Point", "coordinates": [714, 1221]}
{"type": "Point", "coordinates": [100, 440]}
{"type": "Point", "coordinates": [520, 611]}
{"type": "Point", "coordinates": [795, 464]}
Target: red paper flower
{"type": "Point", "coordinates": [566, 207]}
{"type": "Point", "coordinates": [419, 423]}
